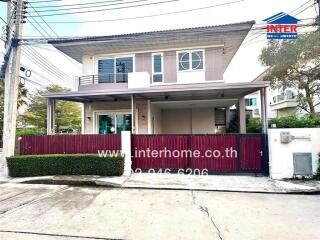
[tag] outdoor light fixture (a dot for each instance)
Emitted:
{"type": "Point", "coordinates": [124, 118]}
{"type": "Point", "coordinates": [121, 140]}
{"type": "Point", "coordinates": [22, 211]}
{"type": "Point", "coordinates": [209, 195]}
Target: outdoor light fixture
{"type": "Point", "coordinates": [143, 117]}
{"type": "Point", "coordinates": [89, 118]}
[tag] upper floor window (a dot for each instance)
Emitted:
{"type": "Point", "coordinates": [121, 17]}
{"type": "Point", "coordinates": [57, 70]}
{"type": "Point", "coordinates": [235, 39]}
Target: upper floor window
{"type": "Point", "coordinates": [190, 60]}
{"type": "Point", "coordinates": [251, 102]}
{"type": "Point", "coordinates": [116, 69]}
{"type": "Point", "coordinates": [157, 67]}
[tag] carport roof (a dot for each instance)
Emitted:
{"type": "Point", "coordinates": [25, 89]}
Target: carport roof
{"type": "Point", "coordinates": [194, 91]}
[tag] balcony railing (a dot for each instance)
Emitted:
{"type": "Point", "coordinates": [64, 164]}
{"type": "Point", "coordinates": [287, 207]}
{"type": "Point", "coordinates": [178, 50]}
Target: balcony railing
{"type": "Point", "coordinates": [286, 96]}
{"type": "Point", "coordinates": [103, 78]}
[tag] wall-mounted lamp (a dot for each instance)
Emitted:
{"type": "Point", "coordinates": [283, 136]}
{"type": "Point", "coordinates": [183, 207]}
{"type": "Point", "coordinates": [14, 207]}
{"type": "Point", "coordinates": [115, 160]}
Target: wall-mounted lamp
{"type": "Point", "coordinates": [89, 118]}
{"type": "Point", "coordinates": [143, 117]}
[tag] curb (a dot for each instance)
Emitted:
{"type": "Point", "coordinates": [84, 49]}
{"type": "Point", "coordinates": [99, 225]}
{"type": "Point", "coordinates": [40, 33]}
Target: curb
{"type": "Point", "coordinates": [97, 183]}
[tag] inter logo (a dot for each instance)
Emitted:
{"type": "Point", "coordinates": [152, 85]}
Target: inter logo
{"type": "Point", "coordinates": [282, 26]}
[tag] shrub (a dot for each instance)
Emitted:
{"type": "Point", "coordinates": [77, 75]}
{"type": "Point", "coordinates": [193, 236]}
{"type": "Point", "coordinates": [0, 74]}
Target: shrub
{"type": "Point", "coordinates": [30, 131]}
{"type": "Point", "coordinates": [296, 122]}
{"type": "Point", "coordinates": [254, 125]}
{"type": "Point", "coordinates": [65, 164]}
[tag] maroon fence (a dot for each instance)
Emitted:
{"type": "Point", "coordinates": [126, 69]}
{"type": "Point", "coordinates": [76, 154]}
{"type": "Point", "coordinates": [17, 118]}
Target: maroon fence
{"type": "Point", "coordinates": [230, 153]}
{"type": "Point", "coordinates": [142, 144]}
{"type": "Point", "coordinates": [69, 144]}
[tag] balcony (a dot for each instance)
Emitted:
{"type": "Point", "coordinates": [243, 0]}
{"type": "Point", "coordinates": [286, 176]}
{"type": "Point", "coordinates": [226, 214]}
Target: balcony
{"type": "Point", "coordinates": [285, 100]}
{"type": "Point", "coordinates": [103, 78]}
{"type": "Point", "coordinates": [114, 81]}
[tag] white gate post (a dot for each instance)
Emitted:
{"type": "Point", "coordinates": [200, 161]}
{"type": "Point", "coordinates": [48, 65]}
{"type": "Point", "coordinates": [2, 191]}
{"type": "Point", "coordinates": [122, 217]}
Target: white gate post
{"type": "Point", "coordinates": [126, 150]}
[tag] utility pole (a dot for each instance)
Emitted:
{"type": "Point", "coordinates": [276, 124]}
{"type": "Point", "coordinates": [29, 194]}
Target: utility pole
{"type": "Point", "coordinates": [16, 15]}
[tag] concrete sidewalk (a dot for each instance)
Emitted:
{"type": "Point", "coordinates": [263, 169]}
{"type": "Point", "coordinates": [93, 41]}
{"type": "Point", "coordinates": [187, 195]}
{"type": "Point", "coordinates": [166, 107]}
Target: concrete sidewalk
{"type": "Point", "coordinates": [181, 182]}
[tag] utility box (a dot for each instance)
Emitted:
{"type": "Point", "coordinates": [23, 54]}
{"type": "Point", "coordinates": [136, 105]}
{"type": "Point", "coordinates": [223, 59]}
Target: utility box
{"type": "Point", "coordinates": [285, 137]}
{"type": "Point", "coordinates": [302, 164]}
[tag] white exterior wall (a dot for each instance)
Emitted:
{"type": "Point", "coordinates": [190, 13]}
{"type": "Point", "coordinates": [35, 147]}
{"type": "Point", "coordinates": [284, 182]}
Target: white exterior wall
{"type": "Point", "coordinates": [88, 65]}
{"type": "Point", "coordinates": [281, 155]}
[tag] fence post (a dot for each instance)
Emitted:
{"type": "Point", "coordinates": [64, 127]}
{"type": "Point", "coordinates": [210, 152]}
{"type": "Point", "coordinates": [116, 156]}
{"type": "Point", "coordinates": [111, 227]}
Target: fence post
{"type": "Point", "coordinates": [126, 149]}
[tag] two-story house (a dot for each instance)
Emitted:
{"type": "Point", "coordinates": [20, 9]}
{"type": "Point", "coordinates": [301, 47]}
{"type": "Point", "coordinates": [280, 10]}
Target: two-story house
{"type": "Point", "coordinates": [162, 82]}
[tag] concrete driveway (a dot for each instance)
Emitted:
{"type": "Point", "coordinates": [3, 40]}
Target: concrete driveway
{"type": "Point", "coordinates": [62, 212]}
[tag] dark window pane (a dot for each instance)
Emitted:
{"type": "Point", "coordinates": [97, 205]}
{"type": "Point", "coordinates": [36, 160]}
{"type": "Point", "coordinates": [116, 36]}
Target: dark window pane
{"type": "Point", "coordinates": [184, 56]}
{"type": "Point", "coordinates": [157, 63]}
{"type": "Point", "coordinates": [184, 62]}
{"type": "Point", "coordinates": [197, 60]}
{"type": "Point", "coordinates": [123, 67]}
{"type": "Point", "coordinates": [123, 122]}
{"type": "Point", "coordinates": [106, 124]}
{"type": "Point", "coordinates": [106, 70]}
{"type": "Point", "coordinates": [157, 77]}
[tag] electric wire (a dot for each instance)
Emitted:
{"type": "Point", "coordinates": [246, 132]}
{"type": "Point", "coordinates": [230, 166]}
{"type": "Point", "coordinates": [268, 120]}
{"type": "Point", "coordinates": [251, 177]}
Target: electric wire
{"type": "Point", "coordinates": [145, 16]}
{"type": "Point", "coordinates": [95, 6]}
{"type": "Point", "coordinates": [107, 9]}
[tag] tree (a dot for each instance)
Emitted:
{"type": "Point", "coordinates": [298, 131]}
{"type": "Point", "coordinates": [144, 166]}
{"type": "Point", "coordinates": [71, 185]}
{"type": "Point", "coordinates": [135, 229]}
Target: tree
{"type": "Point", "coordinates": [68, 114]}
{"type": "Point", "coordinates": [295, 64]}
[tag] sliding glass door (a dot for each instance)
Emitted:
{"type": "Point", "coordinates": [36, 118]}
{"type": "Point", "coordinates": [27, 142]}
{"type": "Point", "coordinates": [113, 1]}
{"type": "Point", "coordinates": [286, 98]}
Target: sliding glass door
{"type": "Point", "coordinates": [113, 123]}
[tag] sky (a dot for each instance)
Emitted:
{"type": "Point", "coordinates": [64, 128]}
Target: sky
{"type": "Point", "coordinates": [243, 68]}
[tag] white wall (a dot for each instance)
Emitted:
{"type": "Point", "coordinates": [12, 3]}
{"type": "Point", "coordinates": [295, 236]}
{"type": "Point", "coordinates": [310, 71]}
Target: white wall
{"type": "Point", "coordinates": [156, 120]}
{"type": "Point", "coordinates": [281, 155]}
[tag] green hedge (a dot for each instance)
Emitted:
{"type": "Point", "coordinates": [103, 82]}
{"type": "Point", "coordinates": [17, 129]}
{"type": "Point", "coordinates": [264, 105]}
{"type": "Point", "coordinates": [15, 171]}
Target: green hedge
{"type": "Point", "coordinates": [31, 131]}
{"type": "Point", "coordinates": [66, 164]}
{"type": "Point", "coordinates": [296, 122]}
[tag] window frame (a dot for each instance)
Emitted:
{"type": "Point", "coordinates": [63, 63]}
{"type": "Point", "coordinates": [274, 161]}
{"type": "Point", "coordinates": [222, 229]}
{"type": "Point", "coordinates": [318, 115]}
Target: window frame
{"type": "Point", "coordinates": [162, 66]}
{"type": "Point", "coordinates": [190, 51]}
{"type": "Point", "coordinates": [251, 100]}
{"type": "Point", "coordinates": [114, 58]}
{"type": "Point", "coordinates": [98, 113]}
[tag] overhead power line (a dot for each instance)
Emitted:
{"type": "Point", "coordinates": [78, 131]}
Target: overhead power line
{"type": "Point", "coordinates": [146, 16]}
{"type": "Point", "coordinates": [76, 4]}
{"type": "Point", "coordinates": [46, 1]}
{"type": "Point", "coordinates": [108, 9]}
{"type": "Point", "coordinates": [107, 4]}
{"type": "Point", "coordinates": [3, 20]}
{"type": "Point", "coordinates": [54, 32]}
{"type": "Point", "coordinates": [37, 58]}
{"type": "Point", "coordinates": [44, 30]}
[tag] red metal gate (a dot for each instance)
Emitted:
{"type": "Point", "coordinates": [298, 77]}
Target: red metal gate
{"type": "Point", "coordinates": [230, 153]}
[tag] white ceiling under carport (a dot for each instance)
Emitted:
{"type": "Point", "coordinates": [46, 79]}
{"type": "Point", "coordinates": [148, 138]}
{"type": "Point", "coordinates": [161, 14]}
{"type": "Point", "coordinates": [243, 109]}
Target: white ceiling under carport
{"type": "Point", "coordinates": [214, 103]}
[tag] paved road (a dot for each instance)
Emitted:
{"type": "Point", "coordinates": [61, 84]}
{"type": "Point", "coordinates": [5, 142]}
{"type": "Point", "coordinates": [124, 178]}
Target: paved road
{"type": "Point", "coordinates": [62, 212]}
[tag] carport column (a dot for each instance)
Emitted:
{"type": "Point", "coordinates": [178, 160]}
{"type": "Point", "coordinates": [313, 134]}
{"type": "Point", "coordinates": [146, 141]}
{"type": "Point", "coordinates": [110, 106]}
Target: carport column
{"type": "Point", "coordinates": [242, 115]}
{"type": "Point", "coordinates": [264, 117]}
{"type": "Point", "coordinates": [126, 150]}
{"type": "Point", "coordinates": [133, 117]}
{"type": "Point", "coordinates": [51, 107]}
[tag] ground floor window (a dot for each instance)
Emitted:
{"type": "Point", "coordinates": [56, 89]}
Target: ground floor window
{"type": "Point", "coordinates": [114, 123]}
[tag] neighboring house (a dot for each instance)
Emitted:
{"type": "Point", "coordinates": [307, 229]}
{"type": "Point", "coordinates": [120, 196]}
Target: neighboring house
{"type": "Point", "coordinates": [280, 102]}
{"type": "Point", "coordinates": [164, 82]}
{"type": "Point", "coordinates": [253, 104]}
